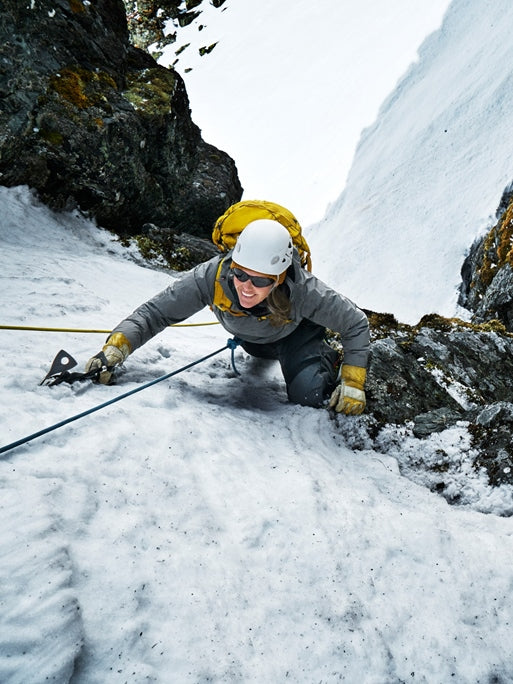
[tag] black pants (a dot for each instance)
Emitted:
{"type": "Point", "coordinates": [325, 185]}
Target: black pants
{"type": "Point", "coordinates": [309, 365]}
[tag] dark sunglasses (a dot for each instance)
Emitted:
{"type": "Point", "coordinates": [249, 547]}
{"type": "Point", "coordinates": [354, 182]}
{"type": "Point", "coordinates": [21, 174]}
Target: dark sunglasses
{"type": "Point", "coordinates": [257, 281]}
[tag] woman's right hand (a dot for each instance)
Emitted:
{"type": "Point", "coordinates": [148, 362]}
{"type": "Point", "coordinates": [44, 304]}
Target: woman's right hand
{"type": "Point", "coordinates": [114, 352]}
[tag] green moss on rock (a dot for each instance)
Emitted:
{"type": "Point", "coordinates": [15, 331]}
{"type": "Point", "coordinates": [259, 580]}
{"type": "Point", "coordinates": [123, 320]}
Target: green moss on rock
{"type": "Point", "coordinates": [151, 90]}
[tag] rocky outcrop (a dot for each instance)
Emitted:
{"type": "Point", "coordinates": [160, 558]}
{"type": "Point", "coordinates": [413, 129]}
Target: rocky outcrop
{"type": "Point", "coordinates": [487, 273]}
{"type": "Point", "coordinates": [88, 120]}
{"type": "Point", "coordinates": [148, 21]}
{"type": "Point", "coordinates": [440, 373]}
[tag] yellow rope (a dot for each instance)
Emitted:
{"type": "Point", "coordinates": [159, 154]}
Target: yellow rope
{"type": "Point", "coordinates": [82, 330]}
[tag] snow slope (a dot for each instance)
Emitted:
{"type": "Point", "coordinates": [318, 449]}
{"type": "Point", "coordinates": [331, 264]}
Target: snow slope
{"type": "Point", "coordinates": [428, 175]}
{"type": "Point", "coordinates": [205, 530]}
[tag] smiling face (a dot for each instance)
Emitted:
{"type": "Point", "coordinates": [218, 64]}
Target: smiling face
{"type": "Point", "coordinates": [249, 295]}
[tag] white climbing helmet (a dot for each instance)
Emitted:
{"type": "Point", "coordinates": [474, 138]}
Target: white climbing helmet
{"type": "Point", "coordinates": [264, 246]}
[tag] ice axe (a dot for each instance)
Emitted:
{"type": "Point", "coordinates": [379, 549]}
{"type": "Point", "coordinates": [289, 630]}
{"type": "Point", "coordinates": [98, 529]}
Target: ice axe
{"type": "Point", "coordinates": [60, 371]}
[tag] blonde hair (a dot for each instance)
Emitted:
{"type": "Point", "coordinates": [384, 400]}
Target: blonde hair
{"type": "Point", "coordinates": [279, 306]}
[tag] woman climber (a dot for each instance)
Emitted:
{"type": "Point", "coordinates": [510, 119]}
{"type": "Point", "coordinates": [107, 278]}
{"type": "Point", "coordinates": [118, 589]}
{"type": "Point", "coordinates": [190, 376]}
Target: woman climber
{"type": "Point", "coordinates": [260, 293]}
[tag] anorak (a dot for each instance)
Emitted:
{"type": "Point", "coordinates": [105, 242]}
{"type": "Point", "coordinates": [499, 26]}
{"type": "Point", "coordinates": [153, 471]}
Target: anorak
{"type": "Point", "coordinates": [310, 299]}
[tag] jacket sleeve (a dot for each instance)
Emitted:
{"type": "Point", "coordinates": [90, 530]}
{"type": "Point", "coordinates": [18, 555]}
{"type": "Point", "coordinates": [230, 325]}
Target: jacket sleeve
{"type": "Point", "coordinates": [322, 305]}
{"type": "Point", "coordinates": [186, 295]}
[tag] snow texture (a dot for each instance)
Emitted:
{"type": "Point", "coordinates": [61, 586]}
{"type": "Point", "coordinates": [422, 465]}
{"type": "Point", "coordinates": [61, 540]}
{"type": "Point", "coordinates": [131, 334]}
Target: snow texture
{"type": "Point", "coordinates": [204, 529]}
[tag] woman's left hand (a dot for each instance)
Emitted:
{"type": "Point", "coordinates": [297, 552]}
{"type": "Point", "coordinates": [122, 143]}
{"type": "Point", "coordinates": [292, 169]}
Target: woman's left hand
{"type": "Point", "coordinates": [349, 396]}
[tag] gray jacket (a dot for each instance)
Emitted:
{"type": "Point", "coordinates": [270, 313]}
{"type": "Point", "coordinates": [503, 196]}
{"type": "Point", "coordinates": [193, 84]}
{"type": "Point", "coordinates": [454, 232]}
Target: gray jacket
{"type": "Point", "coordinates": [310, 299]}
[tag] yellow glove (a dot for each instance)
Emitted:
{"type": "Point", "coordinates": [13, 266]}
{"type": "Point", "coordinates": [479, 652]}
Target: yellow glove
{"type": "Point", "coordinates": [349, 397]}
{"type": "Point", "coordinates": [114, 352]}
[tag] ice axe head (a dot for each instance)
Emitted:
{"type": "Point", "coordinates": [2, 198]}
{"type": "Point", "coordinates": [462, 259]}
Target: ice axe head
{"type": "Point", "coordinates": [61, 363]}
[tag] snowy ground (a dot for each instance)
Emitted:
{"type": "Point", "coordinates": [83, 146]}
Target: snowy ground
{"type": "Point", "coordinates": [205, 530]}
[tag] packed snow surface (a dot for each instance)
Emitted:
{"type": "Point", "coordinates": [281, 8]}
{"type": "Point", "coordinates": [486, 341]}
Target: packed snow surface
{"type": "Point", "coordinates": [204, 529]}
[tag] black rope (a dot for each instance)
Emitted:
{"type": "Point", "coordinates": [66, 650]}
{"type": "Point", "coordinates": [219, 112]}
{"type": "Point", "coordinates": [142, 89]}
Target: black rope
{"type": "Point", "coordinates": [232, 344]}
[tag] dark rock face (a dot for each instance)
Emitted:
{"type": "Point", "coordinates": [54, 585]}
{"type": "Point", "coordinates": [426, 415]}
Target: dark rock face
{"type": "Point", "coordinates": [440, 373]}
{"type": "Point", "coordinates": [487, 273]}
{"type": "Point", "coordinates": [399, 387]}
{"type": "Point", "coordinates": [88, 120]}
{"type": "Point", "coordinates": [492, 436]}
